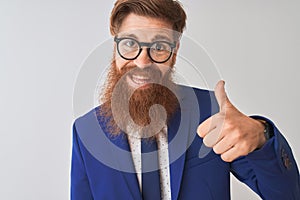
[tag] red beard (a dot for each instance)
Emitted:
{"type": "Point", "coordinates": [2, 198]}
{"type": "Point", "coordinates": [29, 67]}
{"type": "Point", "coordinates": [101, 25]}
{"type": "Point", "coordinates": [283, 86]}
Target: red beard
{"type": "Point", "coordinates": [125, 109]}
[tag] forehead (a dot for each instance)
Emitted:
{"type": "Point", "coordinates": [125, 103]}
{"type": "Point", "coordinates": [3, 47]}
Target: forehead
{"type": "Point", "coordinates": [145, 28]}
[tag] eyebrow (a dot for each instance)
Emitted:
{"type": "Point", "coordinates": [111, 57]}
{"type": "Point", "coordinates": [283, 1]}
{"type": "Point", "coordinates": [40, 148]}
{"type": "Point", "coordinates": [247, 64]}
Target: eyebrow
{"type": "Point", "coordinates": [128, 35]}
{"type": "Point", "coordinates": [155, 38]}
{"type": "Point", "coordinates": [162, 37]}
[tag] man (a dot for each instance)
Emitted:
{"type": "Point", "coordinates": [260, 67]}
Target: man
{"type": "Point", "coordinates": [142, 142]}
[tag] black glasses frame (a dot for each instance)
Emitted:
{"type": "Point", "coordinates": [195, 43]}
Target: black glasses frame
{"type": "Point", "coordinates": [144, 44]}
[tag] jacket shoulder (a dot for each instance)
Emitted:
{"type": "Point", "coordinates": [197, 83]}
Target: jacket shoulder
{"type": "Point", "coordinates": [205, 98]}
{"type": "Point", "coordinates": [88, 116]}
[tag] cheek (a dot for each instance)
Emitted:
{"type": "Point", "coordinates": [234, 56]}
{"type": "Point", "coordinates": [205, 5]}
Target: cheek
{"type": "Point", "coordinates": [120, 62]}
{"type": "Point", "coordinates": [165, 67]}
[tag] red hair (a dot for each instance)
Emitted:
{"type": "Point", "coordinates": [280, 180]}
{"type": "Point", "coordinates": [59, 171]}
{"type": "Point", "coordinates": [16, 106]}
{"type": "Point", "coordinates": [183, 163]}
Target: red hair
{"type": "Point", "coordinates": [168, 10]}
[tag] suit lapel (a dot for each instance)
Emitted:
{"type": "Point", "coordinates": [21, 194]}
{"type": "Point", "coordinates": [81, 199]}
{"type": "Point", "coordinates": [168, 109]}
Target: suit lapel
{"type": "Point", "coordinates": [112, 151]}
{"type": "Point", "coordinates": [178, 142]}
{"type": "Point", "coordinates": [181, 133]}
{"type": "Point", "coordinates": [126, 166]}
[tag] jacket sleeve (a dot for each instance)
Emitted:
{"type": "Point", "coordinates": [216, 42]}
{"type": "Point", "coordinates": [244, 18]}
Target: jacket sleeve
{"type": "Point", "coordinates": [270, 171]}
{"type": "Point", "coordinates": [80, 188]}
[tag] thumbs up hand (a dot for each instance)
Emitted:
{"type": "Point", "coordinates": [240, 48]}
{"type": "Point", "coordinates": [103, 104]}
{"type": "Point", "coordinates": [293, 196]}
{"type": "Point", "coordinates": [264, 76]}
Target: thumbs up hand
{"type": "Point", "coordinates": [231, 133]}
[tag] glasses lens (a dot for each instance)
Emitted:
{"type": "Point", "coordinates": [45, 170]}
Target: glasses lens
{"type": "Point", "coordinates": [128, 48]}
{"type": "Point", "coordinates": [160, 51]}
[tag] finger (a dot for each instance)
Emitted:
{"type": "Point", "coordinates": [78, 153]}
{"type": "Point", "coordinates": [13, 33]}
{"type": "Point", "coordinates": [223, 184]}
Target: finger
{"type": "Point", "coordinates": [231, 154]}
{"type": "Point", "coordinates": [223, 145]}
{"type": "Point", "coordinates": [205, 127]}
{"type": "Point", "coordinates": [221, 95]}
{"type": "Point", "coordinates": [213, 137]}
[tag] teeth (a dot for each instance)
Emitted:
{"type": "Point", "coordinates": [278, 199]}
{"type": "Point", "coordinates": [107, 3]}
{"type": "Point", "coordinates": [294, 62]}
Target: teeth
{"type": "Point", "coordinates": [140, 79]}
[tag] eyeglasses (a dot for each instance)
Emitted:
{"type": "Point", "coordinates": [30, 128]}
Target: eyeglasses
{"type": "Point", "coordinates": [158, 51]}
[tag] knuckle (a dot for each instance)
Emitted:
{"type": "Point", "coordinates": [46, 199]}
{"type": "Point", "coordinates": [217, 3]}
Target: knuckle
{"type": "Point", "coordinates": [238, 135]}
{"type": "Point", "coordinates": [243, 149]}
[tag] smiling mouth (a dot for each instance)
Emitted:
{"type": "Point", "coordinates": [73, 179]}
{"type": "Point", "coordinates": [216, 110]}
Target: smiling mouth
{"type": "Point", "coordinates": [137, 78]}
{"type": "Point", "coordinates": [138, 81]}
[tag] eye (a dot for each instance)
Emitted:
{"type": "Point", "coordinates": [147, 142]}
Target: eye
{"type": "Point", "coordinates": [161, 46]}
{"type": "Point", "coordinates": [130, 43]}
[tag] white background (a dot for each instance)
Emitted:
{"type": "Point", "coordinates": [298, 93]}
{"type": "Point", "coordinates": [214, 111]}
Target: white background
{"type": "Point", "coordinates": [255, 45]}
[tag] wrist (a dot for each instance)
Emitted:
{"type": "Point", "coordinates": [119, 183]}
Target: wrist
{"type": "Point", "coordinates": [267, 132]}
{"type": "Point", "coordinates": [261, 130]}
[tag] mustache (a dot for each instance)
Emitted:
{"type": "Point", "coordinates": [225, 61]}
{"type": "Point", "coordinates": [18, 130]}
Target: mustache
{"type": "Point", "coordinates": [149, 71]}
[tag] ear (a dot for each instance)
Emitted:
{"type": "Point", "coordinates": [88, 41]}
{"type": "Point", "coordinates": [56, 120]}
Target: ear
{"type": "Point", "coordinates": [177, 47]}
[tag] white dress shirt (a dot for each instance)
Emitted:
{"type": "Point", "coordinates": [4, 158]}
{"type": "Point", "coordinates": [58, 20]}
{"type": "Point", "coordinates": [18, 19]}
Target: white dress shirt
{"type": "Point", "coordinates": [163, 161]}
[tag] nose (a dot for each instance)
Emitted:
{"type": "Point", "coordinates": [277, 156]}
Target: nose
{"type": "Point", "coordinates": [143, 60]}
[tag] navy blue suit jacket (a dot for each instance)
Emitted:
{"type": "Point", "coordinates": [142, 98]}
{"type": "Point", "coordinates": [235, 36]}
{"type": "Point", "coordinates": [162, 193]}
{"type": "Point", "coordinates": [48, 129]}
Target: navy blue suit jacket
{"type": "Point", "coordinates": [102, 166]}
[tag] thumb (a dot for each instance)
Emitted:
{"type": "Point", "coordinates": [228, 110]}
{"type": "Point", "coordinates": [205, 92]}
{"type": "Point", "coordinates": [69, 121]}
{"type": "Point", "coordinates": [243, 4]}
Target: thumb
{"type": "Point", "coordinates": [221, 95]}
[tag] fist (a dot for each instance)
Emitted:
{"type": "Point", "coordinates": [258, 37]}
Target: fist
{"type": "Point", "coordinates": [229, 132]}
